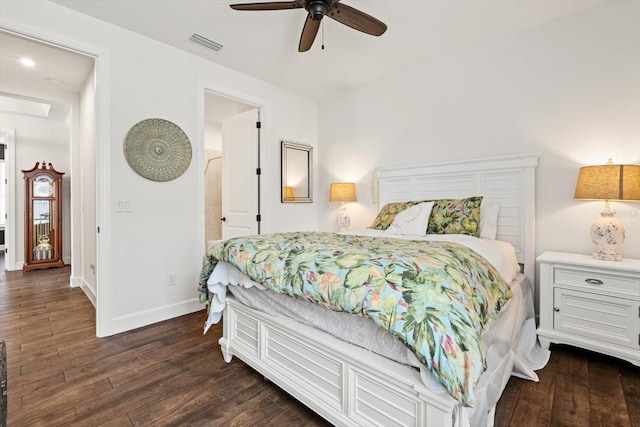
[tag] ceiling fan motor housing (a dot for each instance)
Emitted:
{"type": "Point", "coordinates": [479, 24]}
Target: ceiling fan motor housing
{"type": "Point", "coordinates": [317, 8]}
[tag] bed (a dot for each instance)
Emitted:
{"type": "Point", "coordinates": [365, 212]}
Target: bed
{"type": "Point", "coordinates": [354, 372]}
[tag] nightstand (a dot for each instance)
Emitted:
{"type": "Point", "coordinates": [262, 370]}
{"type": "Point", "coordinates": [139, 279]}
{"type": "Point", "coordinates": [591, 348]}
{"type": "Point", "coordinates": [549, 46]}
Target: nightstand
{"type": "Point", "coordinates": [590, 303]}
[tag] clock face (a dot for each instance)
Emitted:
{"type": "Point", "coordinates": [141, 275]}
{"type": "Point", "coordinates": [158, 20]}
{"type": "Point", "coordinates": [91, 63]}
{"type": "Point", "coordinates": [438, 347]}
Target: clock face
{"type": "Point", "coordinates": [42, 186]}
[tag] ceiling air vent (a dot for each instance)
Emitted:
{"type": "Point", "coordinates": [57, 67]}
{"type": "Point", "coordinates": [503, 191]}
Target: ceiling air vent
{"type": "Point", "coordinates": [209, 44]}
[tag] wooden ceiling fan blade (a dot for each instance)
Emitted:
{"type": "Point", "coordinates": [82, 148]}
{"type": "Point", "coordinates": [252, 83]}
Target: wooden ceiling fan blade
{"type": "Point", "coordinates": [271, 5]}
{"type": "Point", "coordinates": [357, 19]}
{"type": "Point", "coordinates": [308, 33]}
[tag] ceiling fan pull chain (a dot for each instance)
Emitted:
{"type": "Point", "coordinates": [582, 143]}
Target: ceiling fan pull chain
{"type": "Point", "coordinates": [322, 22]}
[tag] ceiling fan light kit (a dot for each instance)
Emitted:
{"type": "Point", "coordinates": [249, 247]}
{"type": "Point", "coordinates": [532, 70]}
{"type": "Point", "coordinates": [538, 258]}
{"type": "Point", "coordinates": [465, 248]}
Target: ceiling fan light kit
{"type": "Point", "coordinates": [318, 9]}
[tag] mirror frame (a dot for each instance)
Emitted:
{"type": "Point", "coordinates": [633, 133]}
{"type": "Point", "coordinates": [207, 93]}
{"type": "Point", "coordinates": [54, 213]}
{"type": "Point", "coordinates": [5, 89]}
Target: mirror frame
{"type": "Point", "coordinates": [291, 152]}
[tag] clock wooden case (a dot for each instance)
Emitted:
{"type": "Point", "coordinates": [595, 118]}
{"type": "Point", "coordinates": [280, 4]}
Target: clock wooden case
{"type": "Point", "coordinates": [42, 217]}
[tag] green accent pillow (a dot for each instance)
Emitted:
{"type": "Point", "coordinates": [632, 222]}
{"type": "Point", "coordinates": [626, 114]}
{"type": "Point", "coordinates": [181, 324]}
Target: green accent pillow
{"type": "Point", "coordinates": [448, 216]}
{"type": "Point", "coordinates": [456, 216]}
{"type": "Point", "coordinates": [387, 214]}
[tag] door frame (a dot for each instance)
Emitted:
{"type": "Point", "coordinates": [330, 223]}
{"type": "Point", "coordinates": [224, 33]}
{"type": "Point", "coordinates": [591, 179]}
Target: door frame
{"type": "Point", "coordinates": [103, 154]}
{"type": "Point", "coordinates": [263, 106]}
{"type": "Point", "coordinates": [10, 199]}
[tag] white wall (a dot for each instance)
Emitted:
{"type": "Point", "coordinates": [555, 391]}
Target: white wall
{"type": "Point", "coordinates": [164, 233]}
{"type": "Point", "coordinates": [212, 136]}
{"type": "Point", "coordinates": [86, 204]}
{"type": "Point", "coordinates": [569, 90]}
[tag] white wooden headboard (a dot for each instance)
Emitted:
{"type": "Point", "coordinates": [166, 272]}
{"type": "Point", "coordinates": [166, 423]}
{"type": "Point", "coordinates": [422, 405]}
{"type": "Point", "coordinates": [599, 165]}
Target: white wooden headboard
{"type": "Point", "coordinates": [509, 180]}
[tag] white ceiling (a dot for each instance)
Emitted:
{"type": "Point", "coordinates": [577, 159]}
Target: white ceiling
{"type": "Point", "coordinates": [56, 78]}
{"type": "Point", "coordinates": [45, 90]}
{"type": "Point", "coordinates": [264, 44]}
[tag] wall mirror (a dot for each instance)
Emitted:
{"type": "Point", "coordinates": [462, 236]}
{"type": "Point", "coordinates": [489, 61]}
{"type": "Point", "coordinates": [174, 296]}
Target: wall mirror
{"type": "Point", "coordinates": [296, 173]}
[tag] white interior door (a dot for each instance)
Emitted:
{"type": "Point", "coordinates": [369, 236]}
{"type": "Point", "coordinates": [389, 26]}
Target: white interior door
{"type": "Point", "coordinates": [8, 139]}
{"type": "Point", "coordinates": [240, 148]}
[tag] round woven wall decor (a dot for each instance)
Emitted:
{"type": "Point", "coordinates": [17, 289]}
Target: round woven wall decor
{"type": "Point", "coordinates": [157, 149]}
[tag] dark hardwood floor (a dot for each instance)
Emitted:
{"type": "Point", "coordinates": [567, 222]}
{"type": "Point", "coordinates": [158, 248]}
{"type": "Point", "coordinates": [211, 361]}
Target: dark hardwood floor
{"type": "Point", "coordinates": [59, 373]}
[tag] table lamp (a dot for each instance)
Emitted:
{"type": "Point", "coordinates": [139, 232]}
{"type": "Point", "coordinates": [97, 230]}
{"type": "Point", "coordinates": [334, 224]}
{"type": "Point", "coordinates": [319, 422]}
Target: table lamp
{"type": "Point", "coordinates": [342, 192]}
{"type": "Point", "coordinates": [608, 182]}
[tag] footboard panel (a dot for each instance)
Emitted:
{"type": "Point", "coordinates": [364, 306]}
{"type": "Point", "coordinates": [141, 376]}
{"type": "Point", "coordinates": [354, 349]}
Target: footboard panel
{"type": "Point", "coordinates": [345, 384]}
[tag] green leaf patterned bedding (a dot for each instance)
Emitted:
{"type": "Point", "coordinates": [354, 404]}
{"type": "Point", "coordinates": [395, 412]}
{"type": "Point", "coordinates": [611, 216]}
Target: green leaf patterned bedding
{"type": "Point", "coordinates": [437, 297]}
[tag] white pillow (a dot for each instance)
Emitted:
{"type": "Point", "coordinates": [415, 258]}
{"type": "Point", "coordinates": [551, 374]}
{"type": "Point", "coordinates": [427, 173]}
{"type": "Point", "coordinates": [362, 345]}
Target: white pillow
{"type": "Point", "coordinates": [489, 210]}
{"type": "Point", "coordinates": [412, 221]}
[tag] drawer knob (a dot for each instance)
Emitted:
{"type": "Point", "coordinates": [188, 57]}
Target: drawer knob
{"type": "Point", "coordinates": [594, 281]}
{"type": "Point", "coordinates": [556, 309]}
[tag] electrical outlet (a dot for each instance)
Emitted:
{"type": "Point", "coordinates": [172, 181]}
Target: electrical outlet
{"type": "Point", "coordinates": [172, 280]}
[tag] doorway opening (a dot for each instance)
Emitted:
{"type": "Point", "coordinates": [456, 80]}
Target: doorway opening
{"type": "Point", "coordinates": [3, 192]}
{"type": "Point", "coordinates": [51, 109]}
{"type": "Point", "coordinates": [218, 110]}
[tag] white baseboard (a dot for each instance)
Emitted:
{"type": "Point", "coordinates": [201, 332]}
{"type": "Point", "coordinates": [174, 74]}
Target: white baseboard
{"type": "Point", "coordinates": [80, 282]}
{"type": "Point", "coordinates": [75, 282]}
{"type": "Point", "coordinates": [89, 292]}
{"type": "Point", "coordinates": [17, 266]}
{"type": "Point", "coordinates": [147, 317]}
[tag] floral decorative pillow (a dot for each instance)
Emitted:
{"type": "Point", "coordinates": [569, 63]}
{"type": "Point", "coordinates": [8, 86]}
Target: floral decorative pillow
{"type": "Point", "coordinates": [387, 214]}
{"type": "Point", "coordinates": [461, 216]}
{"type": "Point", "coordinates": [412, 221]}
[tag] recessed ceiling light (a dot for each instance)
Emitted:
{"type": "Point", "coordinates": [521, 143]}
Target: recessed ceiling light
{"type": "Point", "coordinates": [27, 62]}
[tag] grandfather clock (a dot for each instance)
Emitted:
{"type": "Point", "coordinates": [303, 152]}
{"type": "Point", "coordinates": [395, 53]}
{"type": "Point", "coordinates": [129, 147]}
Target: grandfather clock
{"type": "Point", "coordinates": [42, 217]}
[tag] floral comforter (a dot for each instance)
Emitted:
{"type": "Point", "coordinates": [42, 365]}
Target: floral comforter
{"type": "Point", "coordinates": [437, 297]}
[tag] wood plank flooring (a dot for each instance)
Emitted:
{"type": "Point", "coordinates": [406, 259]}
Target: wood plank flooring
{"type": "Point", "coordinates": [169, 374]}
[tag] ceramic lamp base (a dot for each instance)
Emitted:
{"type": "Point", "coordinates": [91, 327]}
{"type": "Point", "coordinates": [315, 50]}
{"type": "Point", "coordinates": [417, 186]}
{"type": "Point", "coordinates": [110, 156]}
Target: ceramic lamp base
{"type": "Point", "coordinates": [607, 233]}
{"type": "Point", "coordinates": [343, 220]}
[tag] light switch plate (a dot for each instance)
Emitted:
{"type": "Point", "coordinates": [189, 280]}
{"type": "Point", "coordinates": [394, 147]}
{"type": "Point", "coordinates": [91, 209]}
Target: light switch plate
{"type": "Point", "coordinates": [124, 205]}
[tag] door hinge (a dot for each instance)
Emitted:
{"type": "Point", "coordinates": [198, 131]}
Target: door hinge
{"type": "Point", "coordinates": [258, 218]}
{"type": "Point", "coordinates": [98, 230]}
{"type": "Point", "coordinates": [6, 251]}
{"type": "Point", "coordinates": [258, 125]}
{"type": "Point", "coordinates": [258, 171]}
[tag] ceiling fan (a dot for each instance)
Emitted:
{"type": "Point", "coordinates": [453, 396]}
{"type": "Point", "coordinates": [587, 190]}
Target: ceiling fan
{"type": "Point", "coordinates": [318, 9]}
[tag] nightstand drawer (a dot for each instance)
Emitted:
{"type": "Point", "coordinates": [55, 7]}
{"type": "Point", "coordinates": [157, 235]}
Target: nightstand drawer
{"type": "Point", "coordinates": [597, 281]}
{"type": "Point", "coordinates": [608, 319]}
